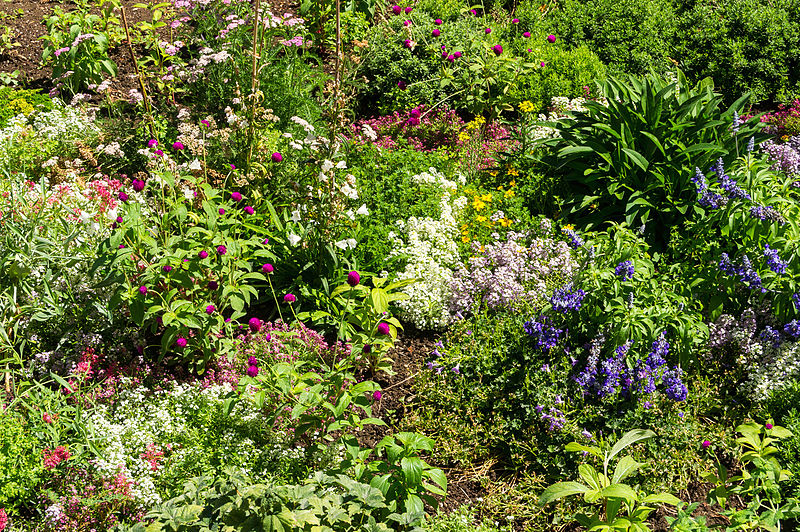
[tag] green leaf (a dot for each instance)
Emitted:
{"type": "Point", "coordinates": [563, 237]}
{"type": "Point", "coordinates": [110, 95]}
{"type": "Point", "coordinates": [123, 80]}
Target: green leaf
{"type": "Point", "coordinates": [637, 158]}
{"type": "Point", "coordinates": [412, 470]}
{"type": "Point", "coordinates": [619, 491]}
{"type": "Point", "coordinates": [661, 498]}
{"type": "Point", "coordinates": [560, 490]}
{"type": "Point", "coordinates": [629, 438]}
{"type": "Point", "coordinates": [625, 468]}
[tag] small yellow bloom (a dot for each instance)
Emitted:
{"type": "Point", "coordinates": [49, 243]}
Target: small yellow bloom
{"type": "Point", "coordinates": [512, 171]}
{"type": "Point", "coordinates": [526, 106]}
{"type": "Point", "coordinates": [513, 183]}
{"type": "Point", "coordinates": [487, 197]}
{"type": "Point", "coordinates": [465, 239]}
{"type": "Point", "coordinates": [568, 226]}
{"type": "Point", "coordinates": [505, 222]}
{"type": "Point", "coordinates": [509, 194]}
{"type": "Point", "coordinates": [477, 204]}
{"type": "Point", "coordinates": [493, 173]}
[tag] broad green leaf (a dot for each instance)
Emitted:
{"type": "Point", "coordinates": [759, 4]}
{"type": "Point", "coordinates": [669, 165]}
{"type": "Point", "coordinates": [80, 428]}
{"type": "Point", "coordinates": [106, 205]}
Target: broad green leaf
{"type": "Point", "coordinates": [629, 438]}
{"type": "Point", "coordinates": [560, 490]}
{"type": "Point", "coordinates": [625, 468]}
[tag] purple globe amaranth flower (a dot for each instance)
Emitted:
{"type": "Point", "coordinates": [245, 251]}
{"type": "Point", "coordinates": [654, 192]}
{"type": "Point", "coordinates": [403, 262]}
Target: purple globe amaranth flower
{"type": "Point", "coordinates": [353, 278]}
{"type": "Point", "coordinates": [152, 143]}
{"type": "Point", "coordinates": [401, 85]}
{"type": "Point", "coordinates": [376, 395]}
{"type": "Point", "coordinates": [159, 153]}
{"type": "Point", "coordinates": [289, 298]}
{"type": "Point", "coordinates": [457, 55]}
{"type": "Point", "coordinates": [123, 197]}
{"type": "Point", "coordinates": [212, 285]}
{"type": "Point", "coordinates": [407, 43]}
{"type": "Point", "coordinates": [624, 270]}
{"type": "Point", "coordinates": [221, 211]}
{"type": "Point", "coordinates": [541, 64]}
{"type": "Point", "coordinates": [203, 254]}
{"type": "Point", "coordinates": [406, 23]}
{"type": "Point", "coordinates": [181, 342]}
{"type": "Point", "coordinates": [210, 309]}
{"type": "Point", "coordinates": [768, 426]}
{"type": "Point", "coordinates": [497, 49]}
{"type": "Point", "coordinates": [276, 157]}
{"type": "Point", "coordinates": [706, 444]}
{"type": "Point", "coordinates": [397, 9]}
{"type": "Point", "coordinates": [526, 34]}
{"type": "Point", "coordinates": [551, 38]}
{"type": "Point", "coordinates": [167, 268]}
{"type": "Point", "coordinates": [267, 268]}
{"type": "Point", "coordinates": [249, 210]}
{"type": "Point", "coordinates": [138, 185]}
{"type": "Point", "coordinates": [436, 32]}
{"type": "Point", "coordinates": [236, 196]}
{"type": "Point", "coordinates": [383, 328]}
{"type": "Point", "coordinates": [255, 325]}
{"type": "Point", "coordinates": [409, 9]}
{"type": "Point", "coordinates": [438, 22]}
{"type": "Point", "coordinates": [143, 290]}
{"type": "Point", "coordinates": [177, 145]}
{"type": "Point", "coordinates": [252, 361]}
{"type": "Point", "coordinates": [367, 348]}
{"type": "Point", "coordinates": [119, 219]}
{"type": "Point", "coordinates": [221, 250]}
{"type": "Point", "coordinates": [450, 58]}
{"type": "Point", "coordinates": [487, 31]}
{"type": "Point", "coordinates": [252, 371]}
{"type": "Point", "coordinates": [515, 21]}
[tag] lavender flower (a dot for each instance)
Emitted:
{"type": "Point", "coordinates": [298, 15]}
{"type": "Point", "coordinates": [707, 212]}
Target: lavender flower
{"type": "Point", "coordinates": [544, 334]}
{"type": "Point", "coordinates": [566, 299]}
{"type": "Point", "coordinates": [774, 260]}
{"type": "Point", "coordinates": [624, 270]}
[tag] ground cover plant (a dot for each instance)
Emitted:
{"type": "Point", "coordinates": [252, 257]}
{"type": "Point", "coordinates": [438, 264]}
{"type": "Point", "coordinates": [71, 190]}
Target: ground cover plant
{"type": "Point", "coordinates": [399, 266]}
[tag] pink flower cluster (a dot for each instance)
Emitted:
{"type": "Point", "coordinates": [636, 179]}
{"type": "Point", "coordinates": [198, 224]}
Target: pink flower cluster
{"type": "Point", "coordinates": [55, 457]}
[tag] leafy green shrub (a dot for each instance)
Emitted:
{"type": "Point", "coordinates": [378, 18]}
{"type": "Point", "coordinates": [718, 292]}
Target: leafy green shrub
{"type": "Point", "coordinates": [629, 36]}
{"type": "Point", "coordinates": [15, 102]}
{"type": "Point", "coordinates": [634, 156]}
{"type": "Point", "coordinates": [21, 466]}
{"type": "Point", "coordinates": [444, 9]}
{"type": "Point", "coordinates": [744, 45]}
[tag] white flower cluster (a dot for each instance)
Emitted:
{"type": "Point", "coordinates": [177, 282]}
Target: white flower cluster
{"type": "Point", "coordinates": [432, 254]}
{"type": "Point", "coordinates": [435, 178]}
{"type": "Point", "coordinates": [143, 420]}
{"type": "Point", "coordinates": [774, 369]}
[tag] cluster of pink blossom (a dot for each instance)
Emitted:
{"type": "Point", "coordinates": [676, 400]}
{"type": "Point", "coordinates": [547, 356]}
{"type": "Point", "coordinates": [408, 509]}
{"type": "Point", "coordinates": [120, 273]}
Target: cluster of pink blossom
{"type": "Point", "coordinates": [512, 274]}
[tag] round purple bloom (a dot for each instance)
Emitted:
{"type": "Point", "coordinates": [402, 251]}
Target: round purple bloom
{"type": "Point", "coordinates": [497, 49]}
{"type": "Point", "coordinates": [515, 21]}
{"type": "Point", "coordinates": [401, 85]}
{"type": "Point", "coordinates": [277, 157]}
{"type": "Point", "coordinates": [203, 254]}
{"type": "Point", "coordinates": [451, 59]}
{"type": "Point", "coordinates": [267, 268]}
{"type": "Point", "coordinates": [488, 31]}
{"type": "Point", "coordinates": [213, 285]}
{"type": "Point", "coordinates": [436, 32]}
{"type": "Point", "coordinates": [457, 55]}
{"type": "Point", "coordinates": [177, 145]}
{"type": "Point", "coordinates": [210, 309]}
{"type": "Point", "coordinates": [152, 143]}
{"type": "Point", "coordinates": [438, 22]}
{"type": "Point", "coordinates": [376, 395]}
{"type": "Point", "coordinates": [541, 64]}
{"type": "Point", "coordinates": [249, 210]}
{"type": "Point", "coordinates": [167, 268]}
{"type": "Point", "coordinates": [407, 43]}
{"type": "Point", "coordinates": [551, 38]}
{"type": "Point", "coordinates": [706, 444]}
{"type": "Point", "coordinates": [159, 153]}
{"type": "Point", "coordinates": [252, 361]}
{"type": "Point", "coordinates": [138, 185]}
{"type": "Point", "coordinates": [526, 34]}
{"type": "Point", "coordinates": [119, 219]}
{"type": "Point", "coordinates": [221, 211]}
{"type": "Point", "coordinates": [409, 9]}
{"type": "Point", "coordinates": [406, 23]}
{"type": "Point", "coordinates": [255, 325]}
{"type": "Point", "coordinates": [236, 196]}
{"type": "Point", "coordinates": [221, 250]}
{"type": "Point", "coordinates": [289, 298]}
{"type": "Point", "coordinates": [123, 196]}
{"type": "Point", "coordinates": [768, 426]}
{"type": "Point", "coordinates": [143, 290]}
{"type": "Point", "coordinates": [397, 10]}
{"type": "Point", "coordinates": [353, 278]}
{"type": "Point", "coordinates": [181, 342]}
{"type": "Point", "coordinates": [383, 328]}
{"type": "Point", "coordinates": [252, 371]}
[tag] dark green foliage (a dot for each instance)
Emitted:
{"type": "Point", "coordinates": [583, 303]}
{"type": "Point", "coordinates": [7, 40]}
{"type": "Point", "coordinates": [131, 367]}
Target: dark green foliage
{"type": "Point", "coordinates": [20, 461]}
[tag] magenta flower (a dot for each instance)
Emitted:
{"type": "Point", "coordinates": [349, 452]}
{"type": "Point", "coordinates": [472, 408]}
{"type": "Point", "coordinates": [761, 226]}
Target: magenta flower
{"type": "Point", "coordinates": [123, 196]}
{"type": "Point", "coordinates": [266, 241]}
{"type": "Point", "coordinates": [541, 64]}
{"type": "Point", "coordinates": [407, 43]}
{"type": "Point", "coordinates": [252, 361]}
{"type": "Point", "coordinates": [383, 328]}
{"type": "Point", "coordinates": [177, 145]}
{"type": "Point", "coordinates": [268, 268]}
{"type": "Point", "coordinates": [235, 196]}
{"type": "Point", "coordinates": [406, 23]}
{"type": "Point", "coordinates": [143, 290]}
{"type": "Point", "coordinates": [181, 342]}
{"type": "Point", "coordinates": [353, 278]}
{"type": "Point", "coordinates": [768, 426]}
{"type": "Point", "coordinates": [203, 254]}
{"type": "Point", "coordinates": [167, 268]}
{"type": "Point", "coordinates": [255, 325]}
{"type": "Point", "coordinates": [401, 85]}
{"type": "Point", "coordinates": [497, 49]}
{"type": "Point", "coordinates": [397, 10]}
{"type": "Point", "coordinates": [289, 298]}
{"type": "Point", "coordinates": [205, 123]}
{"type": "Point", "coordinates": [152, 143]}
{"type": "Point", "coordinates": [376, 395]}
{"type": "Point", "coordinates": [210, 309]}
{"type": "Point", "coordinates": [159, 153]}
{"type": "Point", "coordinates": [221, 250]}
{"type": "Point", "coordinates": [551, 38]}
{"type": "Point", "coordinates": [488, 31]}
{"type": "Point", "coordinates": [706, 444]}
{"type": "Point", "coordinates": [138, 185]}
{"type": "Point", "coordinates": [515, 21]}
{"type": "Point", "coordinates": [119, 219]}
{"type": "Point", "coordinates": [436, 32]}
{"type": "Point", "coordinates": [252, 371]}
{"type": "Point", "coordinates": [451, 59]}
{"type": "Point", "coordinates": [438, 22]}
{"type": "Point", "coordinates": [457, 55]}
{"type": "Point", "coordinates": [221, 211]}
{"type": "Point", "coordinates": [249, 210]}
{"type": "Point", "coordinates": [277, 157]}
{"type": "Point", "coordinates": [409, 9]}
{"type": "Point", "coordinates": [213, 285]}
{"type": "Point", "coordinates": [526, 34]}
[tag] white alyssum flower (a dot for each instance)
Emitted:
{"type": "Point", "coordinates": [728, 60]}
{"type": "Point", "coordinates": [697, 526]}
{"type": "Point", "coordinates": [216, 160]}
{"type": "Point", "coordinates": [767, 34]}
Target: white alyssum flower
{"type": "Point", "coordinates": [363, 211]}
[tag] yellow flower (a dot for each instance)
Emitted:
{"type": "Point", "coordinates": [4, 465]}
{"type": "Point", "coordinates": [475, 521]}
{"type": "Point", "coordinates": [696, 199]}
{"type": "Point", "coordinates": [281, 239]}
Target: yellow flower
{"type": "Point", "coordinates": [481, 218]}
{"type": "Point", "coordinates": [568, 226]}
{"type": "Point", "coordinates": [512, 171]}
{"type": "Point", "coordinates": [477, 204]}
{"type": "Point", "coordinates": [526, 106]}
{"type": "Point", "coordinates": [505, 222]}
{"type": "Point", "coordinates": [465, 239]}
{"type": "Point", "coordinates": [509, 193]}
{"type": "Point", "coordinates": [487, 197]}
{"type": "Point", "coordinates": [513, 183]}
{"type": "Point", "coordinates": [493, 173]}
{"type": "Point", "coordinates": [463, 136]}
